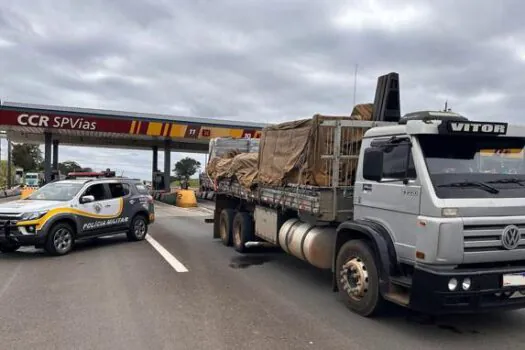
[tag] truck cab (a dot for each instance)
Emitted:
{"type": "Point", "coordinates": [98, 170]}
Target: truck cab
{"type": "Point", "coordinates": [33, 179]}
{"type": "Point", "coordinates": [442, 210]}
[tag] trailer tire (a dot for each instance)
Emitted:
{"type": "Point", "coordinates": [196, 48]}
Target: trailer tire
{"type": "Point", "coordinates": [358, 278]}
{"type": "Point", "coordinates": [242, 231]}
{"type": "Point", "coordinates": [225, 226]}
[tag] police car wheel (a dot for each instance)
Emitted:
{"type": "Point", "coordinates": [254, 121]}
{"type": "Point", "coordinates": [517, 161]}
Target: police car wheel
{"type": "Point", "coordinates": [9, 248]}
{"type": "Point", "coordinates": [60, 240]}
{"type": "Point", "coordinates": [138, 229]}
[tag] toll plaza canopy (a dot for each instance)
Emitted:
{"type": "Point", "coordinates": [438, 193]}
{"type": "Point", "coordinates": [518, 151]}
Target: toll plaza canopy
{"type": "Point", "coordinates": [54, 125]}
{"type": "Point", "coordinates": [81, 126]}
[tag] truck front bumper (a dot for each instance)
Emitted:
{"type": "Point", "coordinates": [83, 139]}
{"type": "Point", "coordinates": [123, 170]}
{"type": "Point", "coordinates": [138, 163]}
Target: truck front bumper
{"type": "Point", "coordinates": [13, 236]}
{"type": "Point", "coordinates": [430, 291]}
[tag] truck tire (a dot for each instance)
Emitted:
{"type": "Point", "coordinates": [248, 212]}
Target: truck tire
{"type": "Point", "coordinates": [60, 239]}
{"type": "Point", "coordinates": [225, 226]}
{"type": "Point", "coordinates": [138, 228]}
{"type": "Point", "coordinates": [358, 278]}
{"type": "Point", "coordinates": [9, 248]}
{"type": "Point", "coordinates": [242, 231]}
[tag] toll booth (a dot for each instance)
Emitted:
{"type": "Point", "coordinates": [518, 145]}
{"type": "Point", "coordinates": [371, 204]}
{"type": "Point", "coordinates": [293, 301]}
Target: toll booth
{"type": "Point", "coordinates": [158, 181]}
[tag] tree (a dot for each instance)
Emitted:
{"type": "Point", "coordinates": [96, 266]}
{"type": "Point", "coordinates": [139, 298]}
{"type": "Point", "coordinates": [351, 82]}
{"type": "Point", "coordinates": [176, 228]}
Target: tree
{"type": "Point", "coordinates": [27, 156]}
{"type": "Point", "coordinates": [185, 168]}
{"type": "Point", "coordinates": [3, 173]}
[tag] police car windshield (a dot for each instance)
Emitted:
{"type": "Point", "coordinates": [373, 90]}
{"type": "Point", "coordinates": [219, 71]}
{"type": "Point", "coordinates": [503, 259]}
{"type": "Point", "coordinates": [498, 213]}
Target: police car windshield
{"type": "Point", "coordinates": [56, 191]}
{"type": "Point", "coordinates": [454, 161]}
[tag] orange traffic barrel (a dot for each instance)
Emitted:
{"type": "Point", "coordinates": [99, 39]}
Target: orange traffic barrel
{"type": "Point", "coordinates": [186, 199]}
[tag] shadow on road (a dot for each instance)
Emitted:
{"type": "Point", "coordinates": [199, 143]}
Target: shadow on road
{"type": "Point", "coordinates": [25, 253]}
{"type": "Point", "coordinates": [505, 324]}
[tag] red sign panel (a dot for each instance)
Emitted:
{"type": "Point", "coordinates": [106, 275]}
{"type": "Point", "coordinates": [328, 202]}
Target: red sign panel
{"type": "Point", "coordinates": [192, 131]}
{"type": "Point", "coordinates": [248, 134]}
{"type": "Point", "coordinates": [63, 121]}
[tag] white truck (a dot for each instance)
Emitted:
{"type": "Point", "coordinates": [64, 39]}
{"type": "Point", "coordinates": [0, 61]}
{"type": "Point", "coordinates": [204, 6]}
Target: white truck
{"type": "Point", "coordinates": [426, 224]}
{"type": "Point", "coordinates": [34, 179]}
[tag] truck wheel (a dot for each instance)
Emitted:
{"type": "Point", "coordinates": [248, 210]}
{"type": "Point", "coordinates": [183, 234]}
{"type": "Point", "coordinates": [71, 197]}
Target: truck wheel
{"type": "Point", "coordinates": [225, 226]}
{"type": "Point", "coordinates": [242, 231]}
{"type": "Point", "coordinates": [60, 239]}
{"type": "Point", "coordinates": [138, 229]}
{"type": "Point", "coordinates": [358, 278]}
{"type": "Point", "coordinates": [9, 248]}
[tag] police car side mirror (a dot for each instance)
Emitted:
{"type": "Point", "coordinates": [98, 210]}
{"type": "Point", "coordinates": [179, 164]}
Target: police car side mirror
{"type": "Point", "coordinates": [87, 199]}
{"type": "Point", "coordinates": [373, 164]}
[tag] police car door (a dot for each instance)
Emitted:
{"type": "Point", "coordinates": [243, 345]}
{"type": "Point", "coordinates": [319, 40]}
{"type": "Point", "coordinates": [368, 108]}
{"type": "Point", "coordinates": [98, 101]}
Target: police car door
{"type": "Point", "coordinates": [101, 215]}
{"type": "Point", "coordinates": [120, 194]}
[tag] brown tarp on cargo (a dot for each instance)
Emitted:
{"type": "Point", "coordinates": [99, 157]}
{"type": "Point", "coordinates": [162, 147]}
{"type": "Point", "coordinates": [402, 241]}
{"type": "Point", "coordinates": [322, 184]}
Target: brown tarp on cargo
{"type": "Point", "coordinates": [244, 168]}
{"type": "Point", "coordinates": [290, 153]}
{"type": "Point", "coordinates": [218, 167]}
{"type": "Point", "coordinates": [363, 111]}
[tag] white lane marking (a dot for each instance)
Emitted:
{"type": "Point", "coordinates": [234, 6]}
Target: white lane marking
{"type": "Point", "coordinates": [176, 264]}
{"type": "Point", "coordinates": [10, 280]}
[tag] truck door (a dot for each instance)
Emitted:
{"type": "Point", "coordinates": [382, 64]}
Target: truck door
{"type": "Point", "coordinates": [101, 215]}
{"type": "Point", "coordinates": [395, 200]}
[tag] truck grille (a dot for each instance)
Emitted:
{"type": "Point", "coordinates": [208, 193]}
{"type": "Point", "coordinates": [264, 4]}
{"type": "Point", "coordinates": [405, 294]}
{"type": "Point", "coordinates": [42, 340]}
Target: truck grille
{"type": "Point", "coordinates": [488, 238]}
{"type": "Point", "coordinates": [12, 218]}
{"type": "Point", "coordinates": [483, 242]}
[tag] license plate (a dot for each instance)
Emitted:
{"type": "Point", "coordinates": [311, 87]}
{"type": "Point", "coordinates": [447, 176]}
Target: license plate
{"type": "Point", "coordinates": [514, 279]}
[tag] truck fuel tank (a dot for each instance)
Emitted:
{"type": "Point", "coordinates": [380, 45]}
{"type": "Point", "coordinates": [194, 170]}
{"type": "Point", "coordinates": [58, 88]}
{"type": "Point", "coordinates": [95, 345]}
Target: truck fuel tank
{"type": "Point", "coordinates": [313, 244]}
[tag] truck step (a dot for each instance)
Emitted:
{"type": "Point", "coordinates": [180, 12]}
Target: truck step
{"type": "Point", "coordinates": [258, 244]}
{"type": "Point", "coordinates": [402, 281]}
{"type": "Point", "coordinates": [398, 297]}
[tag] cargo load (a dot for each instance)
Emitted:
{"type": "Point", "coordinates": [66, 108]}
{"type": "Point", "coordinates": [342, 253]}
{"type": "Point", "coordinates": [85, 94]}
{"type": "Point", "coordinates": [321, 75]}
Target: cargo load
{"type": "Point", "coordinates": [221, 145]}
{"type": "Point", "coordinates": [221, 159]}
{"type": "Point", "coordinates": [243, 168]}
{"type": "Point", "coordinates": [290, 153]}
{"type": "Point", "coordinates": [218, 167]}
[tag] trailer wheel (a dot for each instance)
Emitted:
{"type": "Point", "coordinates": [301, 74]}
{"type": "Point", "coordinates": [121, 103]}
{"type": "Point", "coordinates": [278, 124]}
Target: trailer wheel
{"type": "Point", "coordinates": [358, 278]}
{"type": "Point", "coordinates": [243, 228]}
{"type": "Point", "coordinates": [225, 226]}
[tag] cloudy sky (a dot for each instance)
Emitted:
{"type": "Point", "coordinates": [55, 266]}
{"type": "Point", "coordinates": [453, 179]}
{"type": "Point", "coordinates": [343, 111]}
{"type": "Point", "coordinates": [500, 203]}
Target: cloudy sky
{"type": "Point", "coordinates": [259, 60]}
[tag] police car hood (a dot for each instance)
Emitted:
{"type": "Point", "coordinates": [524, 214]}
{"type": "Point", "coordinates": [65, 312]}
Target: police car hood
{"type": "Point", "coordinates": [27, 206]}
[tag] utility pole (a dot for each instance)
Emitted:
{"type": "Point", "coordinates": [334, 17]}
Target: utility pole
{"type": "Point", "coordinates": [355, 84]}
{"type": "Point", "coordinates": [9, 177]}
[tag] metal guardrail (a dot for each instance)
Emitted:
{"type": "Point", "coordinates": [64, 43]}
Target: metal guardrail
{"type": "Point", "coordinates": [10, 192]}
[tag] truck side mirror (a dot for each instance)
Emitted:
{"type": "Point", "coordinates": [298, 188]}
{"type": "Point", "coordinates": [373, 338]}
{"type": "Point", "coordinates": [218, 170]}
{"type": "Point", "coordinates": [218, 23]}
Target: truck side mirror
{"type": "Point", "coordinates": [373, 164]}
{"type": "Point", "coordinates": [87, 199]}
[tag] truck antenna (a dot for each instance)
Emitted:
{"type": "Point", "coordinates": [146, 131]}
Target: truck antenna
{"type": "Point", "coordinates": [446, 107]}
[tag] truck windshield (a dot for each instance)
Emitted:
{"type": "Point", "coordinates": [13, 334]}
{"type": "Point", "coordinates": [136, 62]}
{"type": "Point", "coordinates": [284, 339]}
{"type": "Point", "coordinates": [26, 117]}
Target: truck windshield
{"type": "Point", "coordinates": [475, 167]}
{"type": "Point", "coordinates": [56, 191]}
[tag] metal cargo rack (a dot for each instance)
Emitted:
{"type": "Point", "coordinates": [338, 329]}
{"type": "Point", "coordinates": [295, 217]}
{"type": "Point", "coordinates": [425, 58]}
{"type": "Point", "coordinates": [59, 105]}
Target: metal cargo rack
{"type": "Point", "coordinates": [331, 203]}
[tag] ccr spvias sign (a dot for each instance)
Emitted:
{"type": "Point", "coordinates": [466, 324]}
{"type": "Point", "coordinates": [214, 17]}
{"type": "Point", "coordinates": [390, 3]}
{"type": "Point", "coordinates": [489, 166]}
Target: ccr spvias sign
{"type": "Point", "coordinates": [57, 122]}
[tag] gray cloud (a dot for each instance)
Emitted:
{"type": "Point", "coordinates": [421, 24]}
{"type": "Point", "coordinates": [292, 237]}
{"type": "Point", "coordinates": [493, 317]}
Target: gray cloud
{"type": "Point", "coordinates": [259, 59]}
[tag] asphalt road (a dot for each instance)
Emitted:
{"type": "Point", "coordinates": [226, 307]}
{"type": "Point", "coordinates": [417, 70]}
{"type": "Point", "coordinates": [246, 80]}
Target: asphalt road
{"type": "Point", "coordinates": [112, 294]}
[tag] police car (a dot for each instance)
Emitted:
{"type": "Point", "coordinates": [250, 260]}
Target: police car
{"type": "Point", "coordinates": [62, 212]}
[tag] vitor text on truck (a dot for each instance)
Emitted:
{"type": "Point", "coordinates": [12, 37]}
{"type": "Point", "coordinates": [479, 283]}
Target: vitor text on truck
{"type": "Point", "coordinates": [426, 212]}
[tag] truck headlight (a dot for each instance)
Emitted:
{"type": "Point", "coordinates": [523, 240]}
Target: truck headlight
{"type": "Point", "coordinates": [35, 215]}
